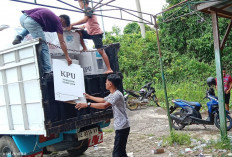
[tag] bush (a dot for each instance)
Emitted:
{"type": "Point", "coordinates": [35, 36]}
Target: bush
{"type": "Point", "coordinates": [139, 62]}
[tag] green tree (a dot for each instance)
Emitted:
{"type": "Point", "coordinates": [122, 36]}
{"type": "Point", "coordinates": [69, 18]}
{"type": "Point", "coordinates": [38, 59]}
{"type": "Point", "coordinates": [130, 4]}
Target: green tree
{"type": "Point", "coordinates": [173, 2]}
{"type": "Point", "coordinates": [134, 28]}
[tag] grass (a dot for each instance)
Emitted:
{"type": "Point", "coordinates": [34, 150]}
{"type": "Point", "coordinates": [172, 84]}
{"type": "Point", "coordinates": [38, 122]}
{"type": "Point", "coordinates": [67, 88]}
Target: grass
{"type": "Point", "coordinates": [190, 91]}
{"type": "Point", "coordinates": [150, 135]}
{"type": "Point", "coordinates": [220, 144]}
{"type": "Point", "coordinates": [108, 130]}
{"type": "Point", "coordinates": [178, 138]}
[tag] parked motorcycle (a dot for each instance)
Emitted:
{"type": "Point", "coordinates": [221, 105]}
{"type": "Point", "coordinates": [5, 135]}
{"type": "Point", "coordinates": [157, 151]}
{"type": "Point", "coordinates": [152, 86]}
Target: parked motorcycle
{"type": "Point", "coordinates": [189, 112]}
{"type": "Point", "coordinates": [142, 97]}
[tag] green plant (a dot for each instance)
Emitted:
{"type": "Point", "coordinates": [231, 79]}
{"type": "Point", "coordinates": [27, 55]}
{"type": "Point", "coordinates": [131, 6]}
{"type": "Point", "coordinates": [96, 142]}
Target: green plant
{"type": "Point", "coordinates": [108, 130]}
{"type": "Point", "coordinates": [150, 135]}
{"type": "Point", "coordinates": [178, 138]}
{"type": "Point", "coordinates": [220, 144]}
{"type": "Point", "coordinates": [184, 70]}
{"type": "Point", "coordinates": [188, 90]}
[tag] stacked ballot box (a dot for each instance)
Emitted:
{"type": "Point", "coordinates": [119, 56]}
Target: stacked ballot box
{"type": "Point", "coordinates": [92, 63]}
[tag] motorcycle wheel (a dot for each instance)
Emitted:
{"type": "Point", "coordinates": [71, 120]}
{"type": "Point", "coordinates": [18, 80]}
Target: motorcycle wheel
{"type": "Point", "coordinates": [155, 99]}
{"type": "Point", "coordinates": [131, 103]}
{"type": "Point", "coordinates": [175, 125]}
{"type": "Point", "coordinates": [228, 122]}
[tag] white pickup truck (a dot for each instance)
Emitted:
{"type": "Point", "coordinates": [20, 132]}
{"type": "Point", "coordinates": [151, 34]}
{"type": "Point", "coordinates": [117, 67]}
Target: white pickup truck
{"type": "Point", "coordinates": [32, 122]}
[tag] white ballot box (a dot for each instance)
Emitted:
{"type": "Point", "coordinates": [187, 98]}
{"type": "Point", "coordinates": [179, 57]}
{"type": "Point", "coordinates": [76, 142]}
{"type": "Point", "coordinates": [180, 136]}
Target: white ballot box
{"type": "Point", "coordinates": [68, 81]}
{"type": "Point", "coordinates": [92, 63]}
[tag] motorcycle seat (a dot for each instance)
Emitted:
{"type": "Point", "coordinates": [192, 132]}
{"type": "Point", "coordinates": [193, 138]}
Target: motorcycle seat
{"type": "Point", "coordinates": [190, 102]}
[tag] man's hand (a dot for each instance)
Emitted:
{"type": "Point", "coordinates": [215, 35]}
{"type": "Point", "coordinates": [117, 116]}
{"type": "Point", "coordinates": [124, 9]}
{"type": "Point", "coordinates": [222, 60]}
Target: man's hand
{"type": "Point", "coordinates": [69, 60]}
{"type": "Point", "coordinates": [82, 27]}
{"type": "Point", "coordinates": [81, 105]}
{"type": "Point", "coordinates": [70, 27]}
{"type": "Point", "coordinates": [87, 96]}
{"type": "Point", "coordinates": [84, 50]}
{"type": "Point", "coordinates": [227, 91]}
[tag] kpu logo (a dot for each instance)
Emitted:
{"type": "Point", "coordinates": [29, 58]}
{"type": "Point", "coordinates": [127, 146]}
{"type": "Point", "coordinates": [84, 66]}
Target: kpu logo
{"type": "Point", "coordinates": [67, 74]}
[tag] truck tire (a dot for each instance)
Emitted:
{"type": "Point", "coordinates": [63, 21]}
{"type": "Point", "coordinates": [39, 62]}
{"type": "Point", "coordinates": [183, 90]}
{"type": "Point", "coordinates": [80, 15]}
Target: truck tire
{"type": "Point", "coordinates": [80, 149]}
{"type": "Point", "coordinates": [8, 146]}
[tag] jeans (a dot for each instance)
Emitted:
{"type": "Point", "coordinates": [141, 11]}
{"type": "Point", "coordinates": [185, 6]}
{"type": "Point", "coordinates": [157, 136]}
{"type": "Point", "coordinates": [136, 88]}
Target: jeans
{"type": "Point", "coordinates": [120, 142]}
{"type": "Point", "coordinates": [36, 31]}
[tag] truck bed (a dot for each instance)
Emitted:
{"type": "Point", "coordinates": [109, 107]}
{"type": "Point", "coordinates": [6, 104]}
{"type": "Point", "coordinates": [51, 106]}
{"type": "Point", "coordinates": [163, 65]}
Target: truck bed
{"type": "Point", "coordinates": [27, 103]}
{"type": "Point", "coordinates": [60, 116]}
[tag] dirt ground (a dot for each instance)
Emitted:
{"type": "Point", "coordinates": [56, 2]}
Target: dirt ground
{"type": "Point", "coordinates": [148, 126]}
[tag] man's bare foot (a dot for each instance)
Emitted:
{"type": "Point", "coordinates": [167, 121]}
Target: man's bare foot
{"type": "Point", "coordinates": [108, 71]}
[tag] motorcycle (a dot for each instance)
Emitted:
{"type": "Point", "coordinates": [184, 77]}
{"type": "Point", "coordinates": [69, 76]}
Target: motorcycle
{"type": "Point", "coordinates": [189, 113]}
{"type": "Point", "coordinates": [142, 97]}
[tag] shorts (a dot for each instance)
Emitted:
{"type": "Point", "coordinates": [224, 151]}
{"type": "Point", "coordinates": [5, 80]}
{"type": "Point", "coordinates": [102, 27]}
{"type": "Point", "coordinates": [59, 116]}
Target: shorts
{"type": "Point", "coordinates": [227, 98]}
{"type": "Point", "coordinates": [97, 39]}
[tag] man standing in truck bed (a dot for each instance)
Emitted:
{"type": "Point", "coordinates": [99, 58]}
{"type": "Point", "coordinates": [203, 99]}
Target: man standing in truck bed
{"type": "Point", "coordinates": [35, 21]}
{"type": "Point", "coordinates": [93, 32]}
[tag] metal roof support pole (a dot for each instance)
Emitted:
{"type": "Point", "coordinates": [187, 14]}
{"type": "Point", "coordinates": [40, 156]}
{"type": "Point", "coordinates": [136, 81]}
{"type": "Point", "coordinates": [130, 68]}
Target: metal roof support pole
{"type": "Point", "coordinates": [142, 26]}
{"type": "Point", "coordinates": [220, 85]}
{"type": "Point", "coordinates": [162, 73]}
{"type": "Point", "coordinates": [103, 26]}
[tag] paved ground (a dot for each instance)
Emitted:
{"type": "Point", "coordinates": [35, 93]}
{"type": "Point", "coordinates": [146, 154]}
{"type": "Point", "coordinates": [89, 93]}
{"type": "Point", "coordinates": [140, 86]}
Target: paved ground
{"type": "Point", "coordinates": [148, 125]}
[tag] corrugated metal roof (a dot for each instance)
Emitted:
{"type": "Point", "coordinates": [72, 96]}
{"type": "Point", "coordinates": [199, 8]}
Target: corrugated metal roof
{"type": "Point", "coordinates": [223, 8]}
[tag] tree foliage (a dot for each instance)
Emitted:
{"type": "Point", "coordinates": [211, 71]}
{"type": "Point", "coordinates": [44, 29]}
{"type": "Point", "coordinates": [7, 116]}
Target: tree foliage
{"type": "Point", "coordinates": [187, 52]}
{"type": "Point", "coordinates": [134, 28]}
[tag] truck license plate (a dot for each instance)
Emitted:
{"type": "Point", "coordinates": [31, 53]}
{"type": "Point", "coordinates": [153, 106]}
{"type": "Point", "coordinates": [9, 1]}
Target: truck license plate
{"type": "Point", "coordinates": [96, 139]}
{"type": "Point", "coordinates": [87, 133]}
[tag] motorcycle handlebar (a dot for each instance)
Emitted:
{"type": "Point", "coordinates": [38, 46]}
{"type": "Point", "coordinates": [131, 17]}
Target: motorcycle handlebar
{"type": "Point", "coordinates": [147, 85]}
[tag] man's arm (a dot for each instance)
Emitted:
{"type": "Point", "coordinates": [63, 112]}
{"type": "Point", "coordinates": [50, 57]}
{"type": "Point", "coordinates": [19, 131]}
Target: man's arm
{"type": "Point", "coordinates": [230, 83]}
{"type": "Point", "coordinates": [96, 99]}
{"type": "Point", "coordinates": [64, 48]}
{"type": "Point", "coordinates": [82, 21]}
{"type": "Point", "coordinates": [229, 88]}
{"type": "Point", "coordinates": [93, 105]}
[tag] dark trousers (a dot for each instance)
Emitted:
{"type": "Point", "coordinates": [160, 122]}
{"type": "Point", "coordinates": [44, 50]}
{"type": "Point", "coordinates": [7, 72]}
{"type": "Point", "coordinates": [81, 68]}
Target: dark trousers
{"type": "Point", "coordinates": [120, 141]}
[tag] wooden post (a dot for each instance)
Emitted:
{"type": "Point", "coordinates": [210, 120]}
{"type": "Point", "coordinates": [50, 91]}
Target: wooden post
{"type": "Point", "coordinates": [220, 85]}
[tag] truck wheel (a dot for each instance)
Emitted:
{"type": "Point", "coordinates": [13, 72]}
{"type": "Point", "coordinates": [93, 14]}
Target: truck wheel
{"type": "Point", "coordinates": [79, 149]}
{"type": "Point", "coordinates": [8, 147]}
{"type": "Point", "coordinates": [45, 151]}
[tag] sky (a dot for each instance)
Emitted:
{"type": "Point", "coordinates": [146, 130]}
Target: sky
{"type": "Point", "coordinates": [10, 11]}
